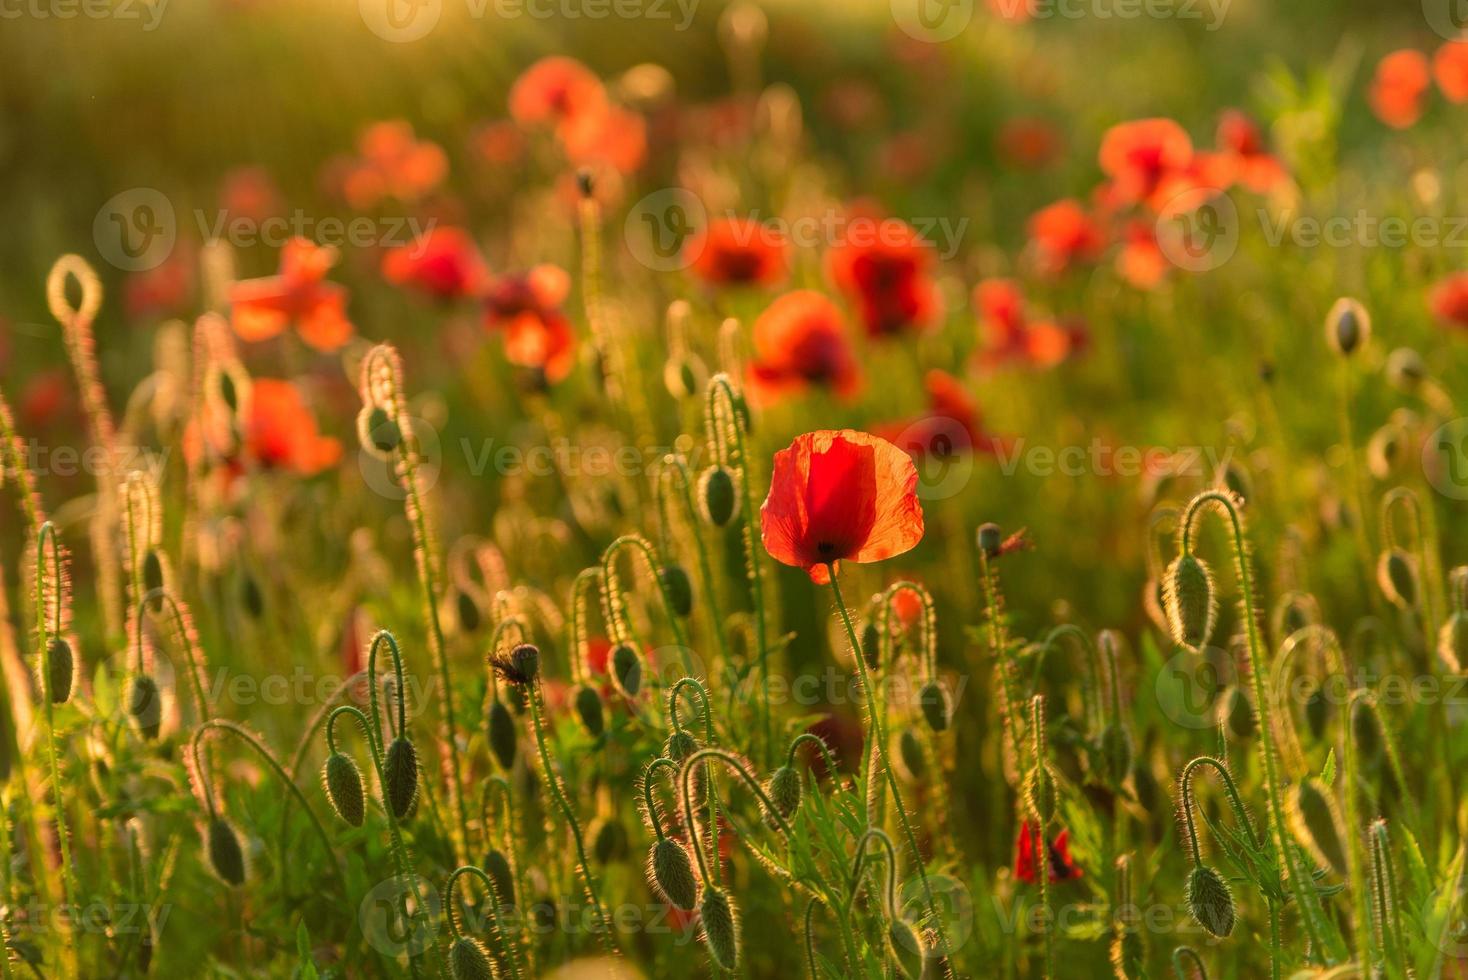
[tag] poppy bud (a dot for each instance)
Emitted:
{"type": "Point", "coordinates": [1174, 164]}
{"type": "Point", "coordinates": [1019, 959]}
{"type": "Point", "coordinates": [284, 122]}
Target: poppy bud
{"type": "Point", "coordinates": [60, 668]}
{"type": "Point", "coordinates": [1385, 450]}
{"type": "Point", "coordinates": [907, 948]}
{"type": "Point", "coordinates": [627, 669]}
{"type": "Point", "coordinates": [469, 961]}
{"type": "Point", "coordinates": [871, 644]}
{"type": "Point", "coordinates": [229, 391]}
{"type": "Point", "coordinates": [720, 920]}
{"type": "Point", "coordinates": [378, 431]}
{"type": "Point", "coordinates": [1366, 732]}
{"type": "Point", "coordinates": [502, 735]}
{"type": "Point", "coordinates": [400, 770]}
{"type": "Point", "coordinates": [585, 182]}
{"type": "Point", "coordinates": [1317, 824]}
{"type": "Point", "coordinates": [1236, 479]}
{"type": "Point", "coordinates": [225, 854]}
{"type": "Point", "coordinates": [250, 596]}
{"type": "Point", "coordinates": [1210, 901]}
{"type": "Point", "coordinates": [1116, 753]}
{"type": "Point", "coordinates": [1452, 642]}
{"type": "Point", "coordinates": [717, 497]}
{"type": "Point", "coordinates": [1396, 574]}
{"type": "Point", "coordinates": [1235, 712]}
{"type": "Point", "coordinates": [1144, 782]}
{"type": "Point", "coordinates": [608, 840]}
{"type": "Point", "coordinates": [497, 866]}
{"type": "Point", "coordinates": [1347, 325]}
{"type": "Point", "coordinates": [990, 539]}
{"type": "Point", "coordinates": [468, 611]}
{"type": "Point", "coordinates": [153, 578]}
{"type": "Point", "coordinates": [1189, 599]}
{"type": "Point", "coordinates": [911, 762]}
{"type": "Point", "coordinates": [783, 789]}
{"type": "Point", "coordinates": [683, 376]}
{"type": "Point", "coordinates": [678, 588]}
{"type": "Point", "coordinates": [145, 705]}
{"type": "Point", "coordinates": [1405, 370]}
{"type": "Point", "coordinates": [679, 746]}
{"type": "Point", "coordinates": [589, 708]}
{"type": "Point", "coordinates": [672, 873]}
{"type": "Point", "coordinates": [1317, 711]}
{"type": "Point", "coordinates": [937, 708]}
{"type": "Point", "coordinates": [343, 781]}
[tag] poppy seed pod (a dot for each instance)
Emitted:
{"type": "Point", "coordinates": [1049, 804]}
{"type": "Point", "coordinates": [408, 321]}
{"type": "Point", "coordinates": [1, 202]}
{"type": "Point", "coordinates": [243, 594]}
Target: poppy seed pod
{"type": "Point", "coordinates": [783, 788]}
{"type": "Point", "coordinates": [717, 497]}
{"type": "Point", "coordinates": [145, 705]}
{"type": "Point", "coordinates": [226, 857]}
{"type": "Point", "coordinates": [936, 706]}
{"type": "Point", "coordinates": [1190, 601]}
{"type": "Point", "coordinates": [502, 735]}
{"type": "Point", "coordinates": [627, 669]}
{"type": "Point", "coordinates": [1396, 574]}
{"type": "Point", "coordinates": [60, 669]}
{"type": "Point", "coordinates": [469, 961]}
{"type": "Point", "coordinates": [1347, 326]}
{"type": "Point", "coordinates": [990, 539]}
{"type": "Point", "coordinates": [400, 770]}
{"type": "Point", "coordinates": [589, 709]}
{"type": "Point", "coordinates": [720, 920]}
{"type": "Point", "coordinates": [497, 866]}
{"type": "Point", "coordinates": [343, 782]}
{"type": "Point", "coordinates": [378, 431]}
{"type": "Point", "coordinates": [1317, 825]}
{"type": "Point", "coordinates": [679, 588]}
{"type": "Point", "coordinates": [1210, 901]}
{"type": "Point", "coordinates": [672, 873]}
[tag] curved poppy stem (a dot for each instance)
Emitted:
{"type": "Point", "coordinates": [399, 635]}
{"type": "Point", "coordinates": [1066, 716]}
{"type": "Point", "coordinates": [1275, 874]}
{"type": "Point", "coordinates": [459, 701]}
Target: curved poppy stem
{"type": "Point", "coordinates": [1187, 952]}
{"type": "Point", "coordinates": [48, 543]}
{"type": "Point", "coordinates": [451, 907]}
{"type": "Point", "coordinates": [701, 698]}
{"type": "Point", "coordinates": [616, 600]}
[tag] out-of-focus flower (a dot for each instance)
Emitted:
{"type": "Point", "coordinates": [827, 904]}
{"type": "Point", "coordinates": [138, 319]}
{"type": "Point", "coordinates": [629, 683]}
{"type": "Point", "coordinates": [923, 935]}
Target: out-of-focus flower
{"type": "Point", "coordinates": [840, 496]}
{"type": "Point", "coordinates": [527, 309]}
{"type": "Point", "coordinates": [1142, 158]}
{"type": "Point", "coordinates": [1141, 260]}
{"type": "Point", "coordinates": [615, 137]}
{"type": "Point", "coordinates": [556, 90]}
{"type": "Point", "coordinates": [393, 163]}
{"type": "Point", "coordinates": [1028, 144]}
{"type": "Point", "coordinates": [951, 426]}
{"type": "Point", "coordinates": [1057, 856]}
{"type": "Point", "coordinates": [45, 399]}
{"type": "Point", "coordinates": [248, 192]}
{"type": "Point", "coordinates": [1450, 69]}
{"type": "Point", "coordinates": [800, 341]}
{"type": "Point", "coordinates": [1010, 336]}
{"type": "Point", "coordinates": [300, 295]}
{"type": "Point", "coordinates": [445, 263]}
{"type": "Point", "coordinates": [498, 142]}
{"type": "Point", "coordinates": [165, 288]}
{"type": "Point", "coordinates": [883, 266]}
{"type": "Point", "coordinates": [1449, 300]}
{"type": "Point", "coordinates": [1253, 166]}
{"type": "Point", "coordinates": [281, 432]}
{"type": "Point", "coordinates": [1063, 233]}
{"type": "Point", "coordinates": [739, 252]}
{"type": "Point", "coordinates": [1398, 88]}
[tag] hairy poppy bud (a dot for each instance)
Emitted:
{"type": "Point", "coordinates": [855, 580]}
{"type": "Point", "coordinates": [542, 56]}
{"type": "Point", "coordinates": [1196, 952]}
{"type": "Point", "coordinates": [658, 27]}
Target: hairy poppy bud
{"type": "Point", "coordinates": [717, 497]}
{"type": "Point", "coordinates": [250, 596]}
{"type": "Point", "coordinates": [1396, 574]}
{"type": "Point", "coordinates": [684, 376]}
{"type": "Point", "coordinates": [1210, 901]}
{"type": "Point", "coordinates": [226, 856]}
{"type": "Point", "coordinates": [497, 866]}
{"type": "Point", "coordinates": [912, 763]}
{"type": "Point", "coordinates": [1405, 369]}
{"type": "Point", "coordinates": [1316, 822]}
{"type": "Point", "coordinates": [1347, 325]}
{"type": "Point", "coordinates": [720, 920]}
{"type": "Point", "coordinates": [145, 705]}
{"type": "Point", "coordinates": [990, 539]}
{"type": "Point", "coordinates": [672, 873]}
{"type": "Point", "coordinates": [783, 789]}
{"type": "Point", "coordinates": [1366, 732]}
{"type": "Point", "coordinates": [469, 961]}
{"type": "Point", "coordinates": [1116, 753]}
{"type": "Point", "coordinates": [60, 668]}
{"type": "Point", "coordinates": [1317, 711]}
{"type": "Point", "coordinates": [343, 781]}
{"type": "Point", "coordinates": [589, 709]}
{"type": "Point", "coordinates": [1189, 599]}
{"type": "Point", "coordinates": [936, 706]}
{"type": "Point", "coordinates": [153, 578]}
{"type": "Point", "coordinates": [679, 589]}
{"type": "Point", "coordinates": [1235, 712]}
{"type": "Point", "coordinates": [680, 745]}
{"type": "Point", "coordinates": [467, 610]}
{"type": "Point", "coordinates": [502, 735]}
{"type": "Point", "coordinates": [608, 840]}
{"type": "Point", "coordinates": [378, 431]}
{"type": "Point", "coordinates": [907, 948]}
{"type": "Point", "coordinates": [400, 770]}
{"type": "Point", "coordinates": [871, 644]}
{"type": "Point", "coordinates": [627, 669]}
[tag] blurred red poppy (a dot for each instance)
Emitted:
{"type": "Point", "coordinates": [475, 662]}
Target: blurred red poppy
{"type": "Point", "coordinates": [299, 295]}
{"type": "Point", "coordinates": [165, 288]}
{"type": "Point", "coordinates": [837, 496]}
{"type": "Point", "coordinates": [1028, 143]}
{"type": "Point", "coordinates": [1141, 260]}
{"type": "Point", "coordinates": [1398, 88]}
{"type": "Point", "coordinates": [951, 426]}
{"type": "Point", "coordinates": [738, 252]}
{"type": "Point", "coordinates": [248, 192]}
{"type": "Point", "coordinates": [556, 90]}
{"type": "Point", "coordinates": [528, 310]}
{"type": "Point", "coordinates": [614, 137]}
{"type": "Point", "coordinates": [800, 341]}
{"type": "Point", "coordinates": [499, 142]}
{"type": "Point", "coordinates": [281, 432]}
{"type": "Point", "coordinates": [1254, 167]}
{"type": "Point", "coordinates": [1011, 336]}
{"type": "Point", "coordinates": [1061, 867]}
{"type": "Point", "coordinates": [1140, 157]}
{"type": "Point", "coordinates": [393, 163]}
{"type": "Point", "coordinates": [1450, 69]}
{"type": "Point", "coordinates": [1063, 233]}
{"type": "Point", "coordinates": [1449, 300]}
{"type": "Point", "coordinates": [883, 267]}
{"type": "Point", "coordinates": [445, 263]}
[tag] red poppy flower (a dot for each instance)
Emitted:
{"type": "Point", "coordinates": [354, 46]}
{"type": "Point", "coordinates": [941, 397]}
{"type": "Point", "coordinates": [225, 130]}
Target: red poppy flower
{"type": "Point", "coordinates": [1141, 260]}
{"type": "Point", "coordinates": [1254, 167]}
{"type": "Point", "coordinates": [444, 263]}
{"type": "Point", "coordinates": [883, 268]}
{"type": "Point", "coordinates": [1063, 233]}
{"type": "Point", "coordinates": [248, 192]}
{"type": "Point", "coordinates": [614, 137]}
{"type": "Point", "coordinates": [393, 163]}
{"type": "Point", "coordinates": [300, 294]}
{"type": "Point", "coordinates": [1450, 69]}
{"type": "Point", "coordinates": [1062, 868]}
{"type": "Point", "coordinates": [165, 288]}
{"type": "Point", "coordinates": [1029, 144]}
{"type": "Point", "coordinates": [739, 251]}
{"type": "Point", "coordinates": [800, 341]}
{"type": "Point", "coordinates": [1449, 300]}
{"type": "Point", "coordinates": [837, 496]}
{"type": "Point", "coordinates": [1011, 336]}
{"type": "Point", "coordinates": [1140, 156]}
{"type": "Point", "coordinates": [499, 142]}
{"type": "Point", "coordinates": [1398, 88]}
{"type": "Point", "coordinates": [528, 310]}
{"type": "Point", "coordinates": [556, 90]}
